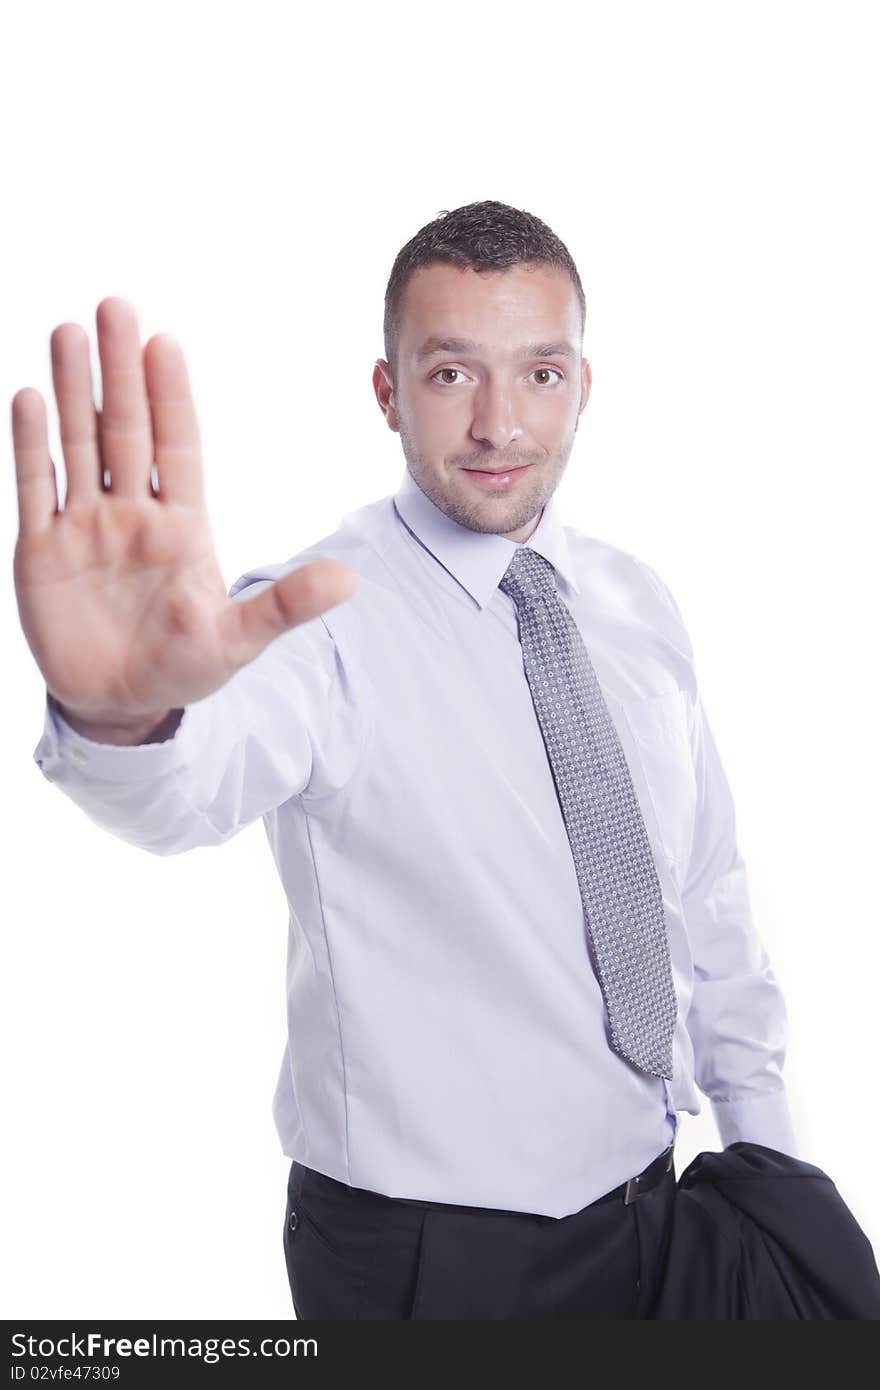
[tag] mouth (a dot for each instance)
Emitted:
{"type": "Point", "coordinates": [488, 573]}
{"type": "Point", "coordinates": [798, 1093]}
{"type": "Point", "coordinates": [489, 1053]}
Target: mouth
{"type": "Point", "coordinates": [495, 479]}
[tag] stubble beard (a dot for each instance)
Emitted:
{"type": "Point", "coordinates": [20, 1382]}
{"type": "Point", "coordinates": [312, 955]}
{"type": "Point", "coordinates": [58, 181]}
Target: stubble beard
{"type": "Point", "coordinates": [489, 514]}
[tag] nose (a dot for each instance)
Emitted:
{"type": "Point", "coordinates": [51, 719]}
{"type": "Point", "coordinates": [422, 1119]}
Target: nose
{"type": "Point", "coordinates": [495, 415]}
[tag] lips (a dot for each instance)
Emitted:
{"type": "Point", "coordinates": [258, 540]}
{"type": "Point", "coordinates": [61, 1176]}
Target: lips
{"type": "Point", "coordinates": [496, 479]}
{"type": "Point", "coordinates": [495, 471]}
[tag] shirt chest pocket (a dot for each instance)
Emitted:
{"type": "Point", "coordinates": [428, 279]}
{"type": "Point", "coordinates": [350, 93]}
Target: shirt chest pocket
{"type": "Point", "coordinates": [659, 728]}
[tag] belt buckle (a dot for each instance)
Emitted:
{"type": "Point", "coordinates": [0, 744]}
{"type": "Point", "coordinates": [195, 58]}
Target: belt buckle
{"type": "Point", "coordinates": [631, 1191]}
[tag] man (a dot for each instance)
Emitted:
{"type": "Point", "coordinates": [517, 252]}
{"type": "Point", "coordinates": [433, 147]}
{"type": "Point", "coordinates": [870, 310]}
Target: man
{"type": "Point", "coordinates": [520, 934]}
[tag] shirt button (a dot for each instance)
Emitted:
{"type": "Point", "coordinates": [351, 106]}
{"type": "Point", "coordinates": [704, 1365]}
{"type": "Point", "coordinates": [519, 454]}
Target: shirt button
{"type": "Point", "coordinates": [79, 755]}
{"type": "Point", "coordinates": [294, 1220]}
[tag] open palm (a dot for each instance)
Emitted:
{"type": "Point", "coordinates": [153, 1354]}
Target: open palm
{"type": "Point", "coordinates": [119, 592]}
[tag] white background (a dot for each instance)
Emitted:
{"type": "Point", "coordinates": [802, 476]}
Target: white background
{"type": "Point", "coordinates": [245, 177]}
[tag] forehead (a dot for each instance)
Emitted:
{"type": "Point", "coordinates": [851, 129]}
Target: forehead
{"type": "Point", "coordinates": [498, 308]}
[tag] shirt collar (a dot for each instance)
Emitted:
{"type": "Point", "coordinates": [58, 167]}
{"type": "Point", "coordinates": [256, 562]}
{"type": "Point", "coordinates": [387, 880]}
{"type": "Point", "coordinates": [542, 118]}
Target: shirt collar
{"type": "Point", "coordinates": [479, 559]}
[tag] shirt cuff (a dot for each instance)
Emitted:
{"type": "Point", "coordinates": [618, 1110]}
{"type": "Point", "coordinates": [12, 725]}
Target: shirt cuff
{"type": "Point", "coordinates": [758, 1119]}
{"type": "Point", "coordinates": [61, 749]}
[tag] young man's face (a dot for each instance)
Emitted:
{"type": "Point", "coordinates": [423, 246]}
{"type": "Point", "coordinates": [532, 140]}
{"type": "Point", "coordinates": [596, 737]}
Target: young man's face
{"type": "Point", "coordinates": [511, 400]}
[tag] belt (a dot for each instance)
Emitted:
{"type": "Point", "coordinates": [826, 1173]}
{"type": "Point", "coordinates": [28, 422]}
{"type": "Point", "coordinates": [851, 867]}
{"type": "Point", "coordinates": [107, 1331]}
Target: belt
{"type": "Point", "coordinates": [629, 1190]}
{"type": "Point", "coordinates": [644, 1181]}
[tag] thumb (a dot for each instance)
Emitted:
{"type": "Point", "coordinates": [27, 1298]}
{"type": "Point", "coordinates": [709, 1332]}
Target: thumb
{"type": "Point", "coordinates": [249, 625]}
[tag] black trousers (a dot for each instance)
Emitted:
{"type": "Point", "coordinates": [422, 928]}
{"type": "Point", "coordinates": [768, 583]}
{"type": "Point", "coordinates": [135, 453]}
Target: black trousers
{"type": "Point", "coordinates": [354, 1254]}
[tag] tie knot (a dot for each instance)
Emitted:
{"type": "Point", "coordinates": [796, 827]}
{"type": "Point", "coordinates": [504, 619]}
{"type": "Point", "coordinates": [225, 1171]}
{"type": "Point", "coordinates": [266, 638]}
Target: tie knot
{"type": "Point", "coordinates": [528, 577]}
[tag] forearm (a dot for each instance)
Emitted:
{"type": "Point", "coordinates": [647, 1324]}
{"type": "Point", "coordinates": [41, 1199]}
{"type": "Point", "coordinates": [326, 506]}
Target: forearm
{"type": "Point", "coordinates": [135, 783]}
{"type": "Point", "coordinates": [206, 771]}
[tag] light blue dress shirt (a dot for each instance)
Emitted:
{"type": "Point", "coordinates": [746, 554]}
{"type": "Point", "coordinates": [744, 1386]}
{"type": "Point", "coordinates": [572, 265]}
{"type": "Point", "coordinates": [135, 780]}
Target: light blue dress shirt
{"type": "Point", "coordinates": [447, 1038]}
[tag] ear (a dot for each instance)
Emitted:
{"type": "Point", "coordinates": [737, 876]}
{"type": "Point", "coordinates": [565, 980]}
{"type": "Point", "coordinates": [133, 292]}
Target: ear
{"type": "Point", "coordinates": [586, 383]}
{"type": "Point", "coordinates": [384, 388]}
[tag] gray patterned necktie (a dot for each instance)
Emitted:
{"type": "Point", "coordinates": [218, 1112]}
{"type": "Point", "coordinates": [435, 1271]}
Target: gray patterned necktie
{"type": "Point", "coordinates": [615, 867]}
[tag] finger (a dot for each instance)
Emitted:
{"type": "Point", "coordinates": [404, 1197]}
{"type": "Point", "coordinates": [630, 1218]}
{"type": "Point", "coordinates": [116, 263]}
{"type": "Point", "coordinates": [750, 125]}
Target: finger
{"type": "Point", "coordinates": [34, 473]}
{"type": "Point", "coordinates": [72, 378]}
{"type": "Point", "coordinates": [175, 428]}
{"type": "Point", "coordinates": [249, 625]}
{"type": "Point", "coordinates": [124, 425]}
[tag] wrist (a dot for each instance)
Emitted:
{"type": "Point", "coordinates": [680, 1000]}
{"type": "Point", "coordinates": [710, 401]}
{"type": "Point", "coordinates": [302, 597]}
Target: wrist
{"type": "Point", "coordinates": [153, 727]}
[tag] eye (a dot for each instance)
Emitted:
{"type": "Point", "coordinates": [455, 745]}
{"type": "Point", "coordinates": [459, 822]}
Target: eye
{"type": "Point", "coordinates": [549, 369]}
{"type": "Point", "coordinates": [445, 369]}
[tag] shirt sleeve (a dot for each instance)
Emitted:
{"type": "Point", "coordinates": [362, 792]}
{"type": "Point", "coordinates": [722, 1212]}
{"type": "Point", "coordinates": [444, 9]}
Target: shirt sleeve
{"type": "Point", "coordinates": [737, 1020]}
{"type": "Point", "coordinates": [289, 723]}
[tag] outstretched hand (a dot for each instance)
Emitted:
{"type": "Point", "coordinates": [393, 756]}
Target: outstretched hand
{"type": "Point", "coordinates": [119, 592]}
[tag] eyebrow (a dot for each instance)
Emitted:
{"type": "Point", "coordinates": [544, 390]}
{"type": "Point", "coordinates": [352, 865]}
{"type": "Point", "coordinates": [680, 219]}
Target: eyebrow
{"type": "Point", "coordinates": [432, 346]}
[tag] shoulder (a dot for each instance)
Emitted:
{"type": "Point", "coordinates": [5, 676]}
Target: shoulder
{"type": "Point", "coordinates": [623, 577]}
{"type": "Point", "coordinates": [357, 542]}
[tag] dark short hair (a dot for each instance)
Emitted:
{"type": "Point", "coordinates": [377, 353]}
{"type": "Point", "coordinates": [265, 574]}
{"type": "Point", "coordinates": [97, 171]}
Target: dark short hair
{"type": "Point", "coordinates": [480, 236]}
